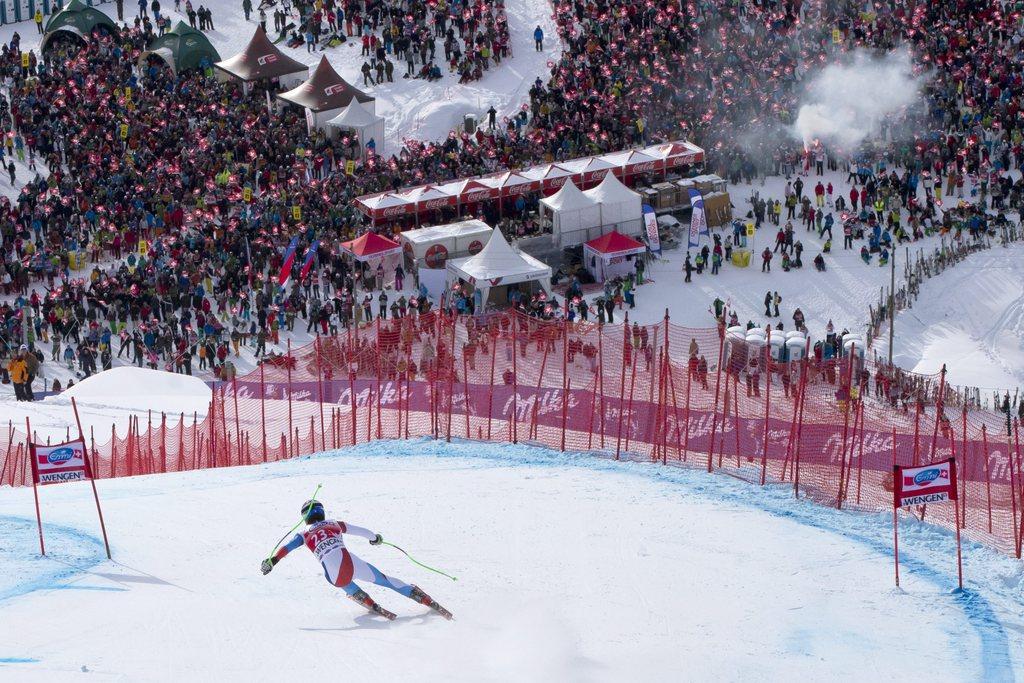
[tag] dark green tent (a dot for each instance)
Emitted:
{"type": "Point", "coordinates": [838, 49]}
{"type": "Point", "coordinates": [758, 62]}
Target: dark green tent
{"type": "Point", "coordinates": [78, 19]}
{"type": "Point", "coordinates": [183, 48]}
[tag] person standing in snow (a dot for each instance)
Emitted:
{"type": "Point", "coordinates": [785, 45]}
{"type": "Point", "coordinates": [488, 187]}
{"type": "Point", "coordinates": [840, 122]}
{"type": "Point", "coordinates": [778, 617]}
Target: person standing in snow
{"type": "Point", "coordinates": [538, 38]}
{"type": "Point", "coordinates": [341, 567]}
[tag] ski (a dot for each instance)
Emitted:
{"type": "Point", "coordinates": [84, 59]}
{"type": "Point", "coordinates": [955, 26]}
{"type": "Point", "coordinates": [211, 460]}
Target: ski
{"type": "Point", "coordinates": [419, 596]}
{"type": "Point", "coordinates": [377, 609]}
{"type": "Point", "coordinates": [362, 598]}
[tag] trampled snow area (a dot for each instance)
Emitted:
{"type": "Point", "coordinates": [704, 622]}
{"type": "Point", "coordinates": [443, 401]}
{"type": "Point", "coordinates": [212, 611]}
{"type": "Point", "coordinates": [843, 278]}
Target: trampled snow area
{"type": "Point", "coordinates": [571, 568]}
{"type": "Point", "coordinates": [109, 399]}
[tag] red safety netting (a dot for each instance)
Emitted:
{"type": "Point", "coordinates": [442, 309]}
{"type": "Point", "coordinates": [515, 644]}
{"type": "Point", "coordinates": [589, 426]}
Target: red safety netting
{"type": "Point", "coordinates": [830, 428]}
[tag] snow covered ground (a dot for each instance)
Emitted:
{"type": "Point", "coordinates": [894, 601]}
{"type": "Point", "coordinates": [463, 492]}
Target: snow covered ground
{"type": "Point", "coordinates": [972, 319]}
{"type": "Point", "coordinates": [570, 568]}
{"type": "Point", "coordinates": [109, 399]}
{"type": "Point", "coordinates": [411, 107]}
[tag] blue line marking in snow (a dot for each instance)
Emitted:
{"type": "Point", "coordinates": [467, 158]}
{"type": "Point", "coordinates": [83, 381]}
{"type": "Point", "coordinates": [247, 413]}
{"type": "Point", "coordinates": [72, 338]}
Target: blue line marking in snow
{"type": "Point", "coordinates": [995, 663]}
{"type": "Point", "coordinates": [59, 566]}
{"type": "Point", "coordinates": [18, 660]}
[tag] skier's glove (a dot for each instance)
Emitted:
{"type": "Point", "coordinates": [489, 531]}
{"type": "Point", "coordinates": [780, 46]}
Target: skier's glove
{"type": "Point", "coordinates": [267, 565]}
{"type": "Point", "coordinates": [378, 540]}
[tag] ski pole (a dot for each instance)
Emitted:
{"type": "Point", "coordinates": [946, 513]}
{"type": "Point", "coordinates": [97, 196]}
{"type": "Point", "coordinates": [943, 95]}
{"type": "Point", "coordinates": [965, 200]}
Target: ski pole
{"type": "Point", "coordinates": [414, 561]}
{"type": "Point", "coordinates": [278, 545]}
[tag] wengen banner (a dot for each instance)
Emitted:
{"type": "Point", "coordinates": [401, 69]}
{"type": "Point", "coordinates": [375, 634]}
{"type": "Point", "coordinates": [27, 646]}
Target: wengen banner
{"type": "Point", "coordinates": [933, 483]}
{"type": "Point", "coordinates": [56, 464]}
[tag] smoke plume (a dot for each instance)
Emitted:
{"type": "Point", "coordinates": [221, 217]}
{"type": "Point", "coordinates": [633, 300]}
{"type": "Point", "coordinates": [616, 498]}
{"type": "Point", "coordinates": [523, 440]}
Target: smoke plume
{"type": "Point", "coordinates": [848, 103]}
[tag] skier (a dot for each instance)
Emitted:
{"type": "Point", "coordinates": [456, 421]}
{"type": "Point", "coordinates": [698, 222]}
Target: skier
{"type": "Point", "coordinates": [323, 537]}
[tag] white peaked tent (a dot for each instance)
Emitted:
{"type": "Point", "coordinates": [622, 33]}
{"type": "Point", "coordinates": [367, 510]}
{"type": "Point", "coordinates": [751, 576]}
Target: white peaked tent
{"type": "Point", "coordinates": [620, 206]}
{"type": "Point", "coordinates": [365, 125]}
{"type": "Point", "coordinates": [573, 215]}
{"type": "Point", "coordinates": [496, 267]}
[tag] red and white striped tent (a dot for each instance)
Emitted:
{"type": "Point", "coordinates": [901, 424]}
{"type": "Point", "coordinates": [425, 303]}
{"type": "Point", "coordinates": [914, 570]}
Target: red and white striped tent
{"type": "Point", "coordinates": [585, 172]}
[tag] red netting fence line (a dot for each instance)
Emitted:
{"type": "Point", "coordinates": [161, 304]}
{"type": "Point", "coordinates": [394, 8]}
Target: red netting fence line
{"type": "Point", "coordinates": [832, 428]}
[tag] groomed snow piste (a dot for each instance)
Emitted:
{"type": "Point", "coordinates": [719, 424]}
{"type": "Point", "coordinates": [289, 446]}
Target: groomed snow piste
{"type": "Point", "coordinates": [571, 568]}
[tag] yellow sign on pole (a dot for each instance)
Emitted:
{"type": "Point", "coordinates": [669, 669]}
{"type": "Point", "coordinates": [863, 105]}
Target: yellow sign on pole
{"type": "Point", "coordinates": [750, 229]}
{"type": "Point", "coordinates": [247, 194]}
{"type": "Point", "coordinates": [350, 167]}
{"type": "Point", "coordinates": [124, 131]}
{"type": "Point", "coordinates": [837, 36]}
{"type": "Point", "coordinates": [297, 213]}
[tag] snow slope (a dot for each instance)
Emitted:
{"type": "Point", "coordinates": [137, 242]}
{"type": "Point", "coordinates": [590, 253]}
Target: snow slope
{"type": "Point", "coordinates": [571, 568]}
{"type": "Point", "coordinates": [971, 319]}
{"type": "Point", "coordinates": [109, 399]}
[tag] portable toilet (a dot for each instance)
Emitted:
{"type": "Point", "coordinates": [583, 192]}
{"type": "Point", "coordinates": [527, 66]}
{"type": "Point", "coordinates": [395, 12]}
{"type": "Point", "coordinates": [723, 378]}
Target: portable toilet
{"type": "Point", "coordinates": [795, 349]}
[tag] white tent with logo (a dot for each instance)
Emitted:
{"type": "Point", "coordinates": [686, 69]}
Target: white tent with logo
{"type": "Point", "coordinates": [620, 206]}
{"type": "Point", "coordinates": [428, 250]}
{"type": "Point", "coordinates": [497, 267]}
{"type": "Point", "coordinates": [358, 121]}
{"type": "Point", "coordinates": [574, 217]}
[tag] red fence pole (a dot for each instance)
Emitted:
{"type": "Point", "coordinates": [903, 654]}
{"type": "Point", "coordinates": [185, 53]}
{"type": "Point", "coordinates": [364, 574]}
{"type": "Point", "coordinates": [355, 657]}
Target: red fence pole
{"type": "Point", "coordinates": [213, 431]}
{"type": "Point", "coordinates": [378, 361]}
{"type": "Point", "coordinates": [632, 382]}
{"type": "Point", "coordinates": [1020, 525]}
{"type": "Point", "coordinates": [665, 376]}
{"type": "Point", "coordinates": [238, 425]}
{"type": "Point", "coordinates": [963, 479]}
{"type": "Point", "coordinates": [263, 408]}
{"type": "Point", "coordinates": [988, 480]}
{"type": "Point", "coordinates": [451, 379]}
{"type": "Point", "coordinates": [718, 387]}
{"type": "Point", "coordinates": [846, 425]}
{"type": "Point", "coordinates": [767, 402]}
{"type": "Point", "coordinates": [622, 386]}
{"type": "Point", "coordinates": [513, 420]}
{"type": "Point", "coordinates": [939, 401]}
{"type": "Point", "coordinates": [465, 389]}
{"type": "Point", "coordinates": [540, 379]}
{"type": "Point", "coordinates": [800, 419]}
{"type": "Point", "coordinates": [288, 366]}
{"type": "Point", "coordinates": [600, 376]}
{"type": "Point", "coordinates": [565, 374]}
{"type": "Point", "coordinates": [1013, 485]}
{"type": "Point", "coordinates": [490, 385]}
{"type": "Point", "coordinates": [917, 432]}
{"type": "Point", "coordinates": [320, 389]}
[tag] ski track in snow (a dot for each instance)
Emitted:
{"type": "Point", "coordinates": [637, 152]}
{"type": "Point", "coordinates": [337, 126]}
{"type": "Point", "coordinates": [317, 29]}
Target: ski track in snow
{"type": "Point", "coordinates": [992, 642]}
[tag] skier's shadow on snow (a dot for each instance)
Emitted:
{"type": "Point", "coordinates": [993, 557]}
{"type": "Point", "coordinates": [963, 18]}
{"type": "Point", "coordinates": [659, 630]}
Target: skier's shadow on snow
{"type": "Point", "coordinates": [371, 622]}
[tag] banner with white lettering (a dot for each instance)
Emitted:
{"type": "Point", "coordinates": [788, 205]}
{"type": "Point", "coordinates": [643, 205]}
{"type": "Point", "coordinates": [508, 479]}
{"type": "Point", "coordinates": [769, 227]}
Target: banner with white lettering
{"type": "Point", "coordinates": [932, 483]}
{"type": "Point", "coordinates": [698, 219]}
{"type": "Point", "coordinates": [651, 228]}
{"type": "Point", "coordinates": [56, 464]}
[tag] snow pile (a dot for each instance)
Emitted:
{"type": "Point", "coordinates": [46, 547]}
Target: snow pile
{"type": "Point", "coordinates": [130, 385]}
{"type": "Point", "coordinates": [846, 103]}
{"type": "Point", "coordinates": [571, 568]}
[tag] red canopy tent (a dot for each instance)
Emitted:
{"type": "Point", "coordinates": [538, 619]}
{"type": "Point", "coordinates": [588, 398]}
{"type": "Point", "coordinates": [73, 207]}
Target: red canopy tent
{"type": "Point", "coordinates": [370, 246]}
{"type": "Point", "coordinates": [609, 255]}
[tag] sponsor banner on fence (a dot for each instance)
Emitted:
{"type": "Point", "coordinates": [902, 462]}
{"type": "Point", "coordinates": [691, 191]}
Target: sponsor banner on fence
{"type": "Point", "coordinates": [59, 463]}
{"type": "Point", "coordinates": [932, 483]}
